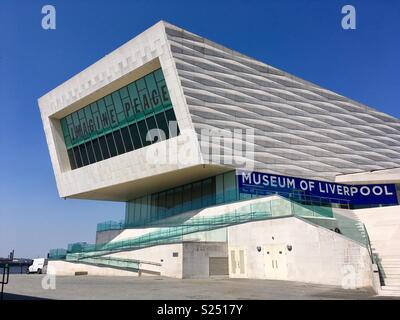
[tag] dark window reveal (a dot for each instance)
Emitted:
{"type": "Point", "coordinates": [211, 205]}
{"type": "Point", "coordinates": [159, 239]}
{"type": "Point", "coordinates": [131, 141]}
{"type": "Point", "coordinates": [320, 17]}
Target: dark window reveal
{"type": "Point", "coordinates": [129, 118]}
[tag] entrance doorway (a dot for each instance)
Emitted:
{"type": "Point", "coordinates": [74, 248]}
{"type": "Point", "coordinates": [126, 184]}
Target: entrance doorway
{"type": "Point", "coordinates": [275, 261]}
{"type": "Point", "coordinates": [237, 262]}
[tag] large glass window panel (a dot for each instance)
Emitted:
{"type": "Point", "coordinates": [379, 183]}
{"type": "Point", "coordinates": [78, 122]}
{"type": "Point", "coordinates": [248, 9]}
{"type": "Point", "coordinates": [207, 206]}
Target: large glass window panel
{"type": "Point", "coordinates": [72, 158]}
{"type": "Point", "coordinates": [170, 202]}
{"type": "Point", "coordinates": [172, 123]}
{"type": "Point", "coordinates": [144, 97]}
{"type": "Point", "coordinates": [104, 117]}
{"type": "Point", "coordinates": [143, 210]}
{"type": "Point", "coordinates": [230, 186]}
{"type": "Point", "coordinates": [196, 195]}
{"type": "Point", "coordinates": [112, 115]}
{"type": "Point", "coordinates": [111, 145]}
{"type": "Point", "coordinates": [84, 125]}
{"type": "Point", "coordinates": [90, 152]}
{"type": "Point", "coordinates": [154, 93]}
{"type": "Point", "coordinates": [108, 100]}
{"type": "Point", "coordinates": [128, 109]}
{"type": "Point", "coordinates": [97, 122]}
{"type": "Point", "coordinates": [123, 92]}
{"type": "Point", "coordinates": [78, 158]}
{"type": "Point", "coordinates": [200, 194]}
{"type": "Point", "coordinates": [137, 107]}
{"type": "Point", "coordinates": [85, 159]}
{"type": "Point", "coordinates": [161, 205]}
{"type": "Point", "coordinates": [77, 131]}
{"type": "Point", "coordinates": [178, 194]}
{"type": "Point", "coordinates": [126, 136]}
{"type": "Point", "coordinates": [143, 132]}
{"type": "Point", "coordinates": [153, 134]}
{"type": "Point", "coordinates": [96, 149]}
{"type": "Point", "coordinates": [162, 124]}
{"type": "Point", "coordinates": [208, 192]}
{"type": "Point", "coordinates": [118, 142]}
{"type": "Point", "coordinates": [90, 122]}
{"type": "Point", "coordinates": [154, 207]}
{"type": "Point", "coordinates": [187, 198]}
{"type": "Point", "coordinates": [159, 76]}
{"type": "Point", "coordinates": [219, 186]}
{"type": "Point", "coordinates": [145, 101]}
{"type": "Point", "coordinates": [137, 142]}
{"type": "Point", "coordinates": [65, 130]}
{"type": "Point", "coordinates": [103, 147]}
{"type": "Point", "coordinates": [162, 88]}
{"type": "Point", "coordinates": [119, 108]}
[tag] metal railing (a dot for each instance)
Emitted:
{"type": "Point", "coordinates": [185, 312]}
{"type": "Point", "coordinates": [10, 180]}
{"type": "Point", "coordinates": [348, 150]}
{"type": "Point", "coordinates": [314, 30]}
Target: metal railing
{"type": "Point", "coordinates": [271, 207]}
{"type": "Point", "coordinates": [5, 265]}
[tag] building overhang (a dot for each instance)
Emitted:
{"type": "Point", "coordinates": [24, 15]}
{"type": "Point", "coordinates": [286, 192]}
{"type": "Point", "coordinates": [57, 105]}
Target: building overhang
{"type": "Point", "coordinates": [371, 177]}
{"type": "Point", "coordinates": [137, 188]}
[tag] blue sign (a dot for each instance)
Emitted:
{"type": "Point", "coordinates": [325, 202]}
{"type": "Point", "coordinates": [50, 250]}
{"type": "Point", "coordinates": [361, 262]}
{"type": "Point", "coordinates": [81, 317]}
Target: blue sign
{"type": "Point", "coordinates": [262, 184]}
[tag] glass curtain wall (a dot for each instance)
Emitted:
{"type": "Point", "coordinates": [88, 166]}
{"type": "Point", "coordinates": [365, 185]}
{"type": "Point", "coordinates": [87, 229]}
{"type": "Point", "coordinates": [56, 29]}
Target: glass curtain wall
{"type": "Point", "coordinates": [130, 118]}
{"type": "Point", "coordinates": [220, 189]}
{"type": "Point", "coordinates": [200, 194]}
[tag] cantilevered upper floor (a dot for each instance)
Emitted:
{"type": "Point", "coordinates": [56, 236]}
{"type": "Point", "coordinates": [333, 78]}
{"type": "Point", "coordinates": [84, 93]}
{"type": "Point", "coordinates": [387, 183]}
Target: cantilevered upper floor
{"type": "Point", "coordinates": [146, 117]}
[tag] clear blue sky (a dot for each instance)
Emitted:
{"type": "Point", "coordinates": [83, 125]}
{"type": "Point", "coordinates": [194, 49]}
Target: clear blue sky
{"type": "Point", "coordinates": [302, 37]}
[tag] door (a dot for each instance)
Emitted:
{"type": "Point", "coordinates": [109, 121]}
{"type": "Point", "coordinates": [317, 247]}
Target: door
{"type": "Point", "coordinates": [275, 261]}
{"type": "Point", "coordinates": [237, 262]}
{"type": "Point", "coordinates": [218, 266]}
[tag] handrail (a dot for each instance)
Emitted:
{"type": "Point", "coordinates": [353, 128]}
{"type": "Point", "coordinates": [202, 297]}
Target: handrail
{"type": "Point", "coordinates": [5, 278]}
{"type": "Point", "coordinates": [368, 241]}
{"type": "Point", "coordinates": [261, 210]}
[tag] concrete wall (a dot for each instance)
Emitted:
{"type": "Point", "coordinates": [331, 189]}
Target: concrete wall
{"type": "Point", "coordinates": [317, 256]}
{"type": "Point", "coordinates": [106, 236]}
{"type": "Point", "coordinates": [196, 257]}
{"type": "Point", "coordinates": [383, 227]}
{"type": "Point", "coordinates": [64, 268]}
{"type": "Point", "coordinates": [170, 266]}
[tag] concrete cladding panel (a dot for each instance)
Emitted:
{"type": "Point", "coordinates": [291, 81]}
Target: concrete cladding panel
{"type": "Point", "coordinates": [104, 179]}
{"type": "Point", "coordinates": [300, 128]}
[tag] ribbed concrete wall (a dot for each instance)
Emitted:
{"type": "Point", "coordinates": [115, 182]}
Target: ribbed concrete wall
{"type": "Point", "coordinates": [300, 128]}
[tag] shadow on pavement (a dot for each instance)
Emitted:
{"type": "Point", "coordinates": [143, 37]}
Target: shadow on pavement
{"type": "Point", "coordinates": [12, 296]}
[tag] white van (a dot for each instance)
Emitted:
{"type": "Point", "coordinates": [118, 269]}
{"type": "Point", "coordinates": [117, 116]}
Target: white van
{"type": "Point", "coordinates": [38, 266]}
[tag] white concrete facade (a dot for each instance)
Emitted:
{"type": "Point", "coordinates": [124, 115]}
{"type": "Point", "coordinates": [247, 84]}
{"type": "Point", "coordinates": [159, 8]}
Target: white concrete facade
{"type": "Point", "coordinates": [317, 255]}
{"type": "Point", "coordinates": [134, 59]}
{"type": "Point", "coordinates": [300, 129]}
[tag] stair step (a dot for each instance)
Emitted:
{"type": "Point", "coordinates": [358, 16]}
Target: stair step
{"type": "Point", "coordinates": [391, 288]}
{"type": "Point", "coordinates": [394, 260]}
{"type": "Point", "coordinates": [389, 273]}
{"type": "Point", "coordinates": [389, 294]}
{"type": "Point", "coordinates": [391, 276]}
{"type": "Point", "coordinates": [386, 266]}
{"type": "Point", "coordinates": [392, 282]}
{"type": "Point", "coordinates": [390, 265]}
{"type": "Point", "coordinates": [387, 257]}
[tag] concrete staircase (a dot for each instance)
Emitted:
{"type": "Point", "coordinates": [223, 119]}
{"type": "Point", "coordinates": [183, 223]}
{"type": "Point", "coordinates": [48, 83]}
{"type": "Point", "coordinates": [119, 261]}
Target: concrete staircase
{"type": "Point", "coordinates": [383, 227]}
{"type": "Point", "coordinates": [388, 259]}
{"type": "Point", "coordinates": [349, 224]}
